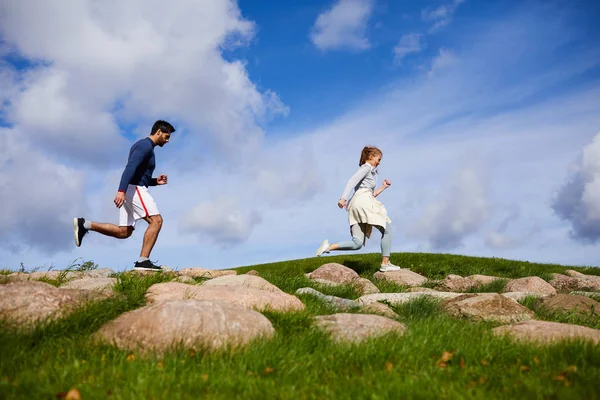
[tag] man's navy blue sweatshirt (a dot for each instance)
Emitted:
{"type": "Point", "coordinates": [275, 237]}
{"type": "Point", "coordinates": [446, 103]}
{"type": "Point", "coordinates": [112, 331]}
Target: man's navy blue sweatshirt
{"type": "Point", "coordinates": [140, 165]}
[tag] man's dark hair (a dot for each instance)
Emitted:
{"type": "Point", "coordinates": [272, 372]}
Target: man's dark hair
{"type": "Point", "coordinates": [164, 127]}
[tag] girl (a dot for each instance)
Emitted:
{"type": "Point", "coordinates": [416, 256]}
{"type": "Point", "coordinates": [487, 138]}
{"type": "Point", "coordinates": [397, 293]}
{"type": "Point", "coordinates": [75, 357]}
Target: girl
{"type": "Point", "coordinates": [364, 211]}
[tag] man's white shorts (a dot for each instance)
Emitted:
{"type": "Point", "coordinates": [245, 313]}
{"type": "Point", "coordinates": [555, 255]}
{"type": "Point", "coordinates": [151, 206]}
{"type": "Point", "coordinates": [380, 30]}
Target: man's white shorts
{"type": "Point", "coordinates": [138, 204]}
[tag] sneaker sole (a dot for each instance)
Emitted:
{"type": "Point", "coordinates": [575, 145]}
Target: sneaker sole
{"type": "Point", "coordinates": [321, 248]}
{"type": "Point", "coordinates": [76, 232]}
{"type": "Point", "coordinates": [147, 269]}
{"type": "Point", "coordinates": [389, 270]}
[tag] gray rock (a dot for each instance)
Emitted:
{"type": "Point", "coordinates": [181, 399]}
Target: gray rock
{"type": "Point", "coordinates": [403, 277]}
{"type": "Point", "coordinates": [547, 332]}
{"type": "Point", "coordinates": [192, 324]}
{"type": "Point", "coordinates": [358, 327]}
{"type": "Point", "coordinates": [341, 303]}
{"type": "Point", "coordinates": [91, 284]}
{"type": "Point", "coordinates": [530, 284]}
{"type": "Point", "coordinates": [401, 298]}
{"type": "Point", "coordinates": [247, 297]}
{"type": "Point", "coordinates": [487, 307]}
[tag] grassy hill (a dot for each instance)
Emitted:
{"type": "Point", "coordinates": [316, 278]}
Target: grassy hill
{"type": "Point", "coordinates": [438, 357]}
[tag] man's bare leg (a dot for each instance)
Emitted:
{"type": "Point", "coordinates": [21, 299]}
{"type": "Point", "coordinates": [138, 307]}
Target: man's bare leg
{"type": "Point", "coordinates": [151, 234]}
{"type": "Point", "coordinates": [119, 232]}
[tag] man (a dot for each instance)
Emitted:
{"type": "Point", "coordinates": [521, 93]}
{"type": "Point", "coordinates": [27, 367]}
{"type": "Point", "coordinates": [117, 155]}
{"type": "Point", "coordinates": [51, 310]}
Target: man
{"type": "Point", "coordinates": [133, 197]}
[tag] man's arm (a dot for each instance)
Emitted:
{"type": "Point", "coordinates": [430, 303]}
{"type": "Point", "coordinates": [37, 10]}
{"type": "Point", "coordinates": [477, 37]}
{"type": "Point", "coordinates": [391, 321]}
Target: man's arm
{"type": "Point", "coordinates": [139, 154]}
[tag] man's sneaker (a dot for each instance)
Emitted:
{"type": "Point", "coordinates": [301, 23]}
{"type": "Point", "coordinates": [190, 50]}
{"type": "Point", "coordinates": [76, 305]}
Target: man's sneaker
{"type": "Point", "coordinates": [323, 248]}
{"type": "Point", "coordinates": [78, 230]}
{"type": "Point", "coordinates": [389, 267]}
{"type": "Point", "coordinates": [146, 266]}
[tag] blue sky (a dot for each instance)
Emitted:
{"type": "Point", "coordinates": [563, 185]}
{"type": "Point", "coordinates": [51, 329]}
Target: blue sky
{"type": "Point", "coordinates": [487, 113]}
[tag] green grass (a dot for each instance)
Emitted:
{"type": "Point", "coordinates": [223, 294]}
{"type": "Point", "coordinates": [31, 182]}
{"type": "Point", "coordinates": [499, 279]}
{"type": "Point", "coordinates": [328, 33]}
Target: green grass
{"type": "Point", "coordinates": [438, 357]}
{"type": "Point", "coordinates": [497, 286]}
{"type": "Point", "coordinates": [588, 319]}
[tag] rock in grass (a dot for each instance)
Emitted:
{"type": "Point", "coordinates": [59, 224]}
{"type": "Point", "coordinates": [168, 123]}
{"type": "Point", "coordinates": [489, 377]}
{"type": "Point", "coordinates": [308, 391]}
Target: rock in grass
{"type": "Point", "coordinates": [365, 286]}
{"type": "Point", "coordinates": [245, 280]}
{"type": "Point", "coordinates": [456, 283]}
{"type": "Point", "coordinates": [547, 332]}
{"type": "Point", "coordinates": [261, 300]}
{"type": "Point", "coordinates": [253, 273]}
{"type": "Point", "coordinates": [191, 324]}
{"type": "Point", "coordinates": [581, 282]}
{"type": "Point", "coordinates": [98, 273]}
{"type": "Point", "coordinates": [91, 284]}
{"type": "Point", "coordinates": [421, 289]}
{"type": "Point", "coordinates": [30, 302]}
{"type": "Point", "coordinates": [185, 279]}
{"type": "Point", "coordinates": [401, 298]}
{"type": "Point", "coordinates": [518, 296]}
{"type": "Point", "coordinates": [335, 273]}
{"type": "Point", "coordinates": [403, 277]}
{"type": "Point", "coordinates": [206, 273]}
{"type": "Point", "coordinates": [379, 309]}
{"type": "Point", "coordinates": [571, 303]}
{"type": "Point", "coordinates": [530, 284]}
{"type": "Point", "coordinates": [487, 307]}
{"type": "Point", "coordinates": [338, 302]}
{"type": "Point", "coordinates": [357, 327]}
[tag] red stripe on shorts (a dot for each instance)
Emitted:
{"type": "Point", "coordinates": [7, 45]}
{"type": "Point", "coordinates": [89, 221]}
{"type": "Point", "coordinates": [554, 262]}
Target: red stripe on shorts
{"type": "Point", "coordinates": [142, 200]}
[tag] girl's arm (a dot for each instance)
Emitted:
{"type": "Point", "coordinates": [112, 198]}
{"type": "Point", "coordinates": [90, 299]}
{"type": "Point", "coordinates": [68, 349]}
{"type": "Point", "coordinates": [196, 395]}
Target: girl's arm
{"type": "Point", "coordinates": [355, 179]}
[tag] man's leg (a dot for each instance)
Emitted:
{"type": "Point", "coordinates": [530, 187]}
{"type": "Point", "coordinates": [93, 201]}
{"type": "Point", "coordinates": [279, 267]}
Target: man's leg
{"type": "Point", "coordinates": [151, 234]}
{"type": "Point", "coordinates": [119, 232]}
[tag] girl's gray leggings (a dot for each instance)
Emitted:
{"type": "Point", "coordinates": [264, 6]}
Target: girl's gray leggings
{"type": "Point", "coordinates": [358, 239]}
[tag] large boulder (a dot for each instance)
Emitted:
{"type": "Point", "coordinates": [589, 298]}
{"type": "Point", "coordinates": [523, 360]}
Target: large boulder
{"type": "Point", "coordinates": [357, 327]}
{"type": "Point", "coordinates": [579, 282]}
{"type": "Point", "coordinates": [191, 324]}
{"type": "Point", "coordinates": [365, 286]}
{"type": "Point", "coordinates": [206, 273]}
{"type": "Point", "coordinates": [403, 277]}
{"type": "Point", "coordinates": [487, 307]}
{"type": "Point", "coordinates": [519, 296]}
{"type": "Point", "coordinates": [456, 283]}
{"type": "Point", "coordinates": [401, 298]}
{"type": "Point", "coordinates": [547, 332]}
{"type": "Point", "coordinates": [334, 273]}
{"type": "Point", "coordinates": [379, 309]}
{"type": "Point", "coordinates": [30, 302]}
{"type": "Point", "coordinates": [571, 303]}
{"type": "Point", "coordinates": [250, 281]}
{"type": "Point", "coordinates": [91, 284]}
{"type": "Point", "coordinates": [530, 284]}
{"type": "Point", "coordinates": [337, 302]}
{"type": "Point", "coordinates": [98, 273]}
{"type": "Point", "coordinates": [258, 299]}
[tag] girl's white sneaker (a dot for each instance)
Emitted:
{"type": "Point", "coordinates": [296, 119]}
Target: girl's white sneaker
{"type": "Point", "coordinates": [323, 248]}
{"type": "Point", "coordinates": [389, 267]}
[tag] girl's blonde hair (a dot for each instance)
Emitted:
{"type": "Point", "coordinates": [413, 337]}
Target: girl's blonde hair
{"type": "Point", "coordinates": [367, 153]}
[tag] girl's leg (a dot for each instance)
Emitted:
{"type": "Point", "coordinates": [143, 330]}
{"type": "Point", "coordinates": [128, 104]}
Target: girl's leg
{"type": "Point", "coordinates": [386, 247]}
{"type": "Point", "coordinates": [357, 242]}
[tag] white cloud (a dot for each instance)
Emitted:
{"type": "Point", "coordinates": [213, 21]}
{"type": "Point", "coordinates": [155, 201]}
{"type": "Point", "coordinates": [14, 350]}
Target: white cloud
{"type": "Point", "coordinates": [460, 210]}
{"type": "Point", "coordinates": [110, 63]}
{"type": "Point", "coordinates": [220, 220]}
{"type": "Point", "coordinates": [38, 196]}
{"type": "Point", "coordinates": [440, 16]}
{"type": "Point", "coordinates": [343, 26]}
{"type": "Point", "coordinates": [444, 59]}
{"type": "Point", "coordinates": [578, 201]}
{"type": "Point", "coordinates": [410, 43]}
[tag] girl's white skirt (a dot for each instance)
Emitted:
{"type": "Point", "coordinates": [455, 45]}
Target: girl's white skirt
{"type": "Point", "coordinates": [364, 209]}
